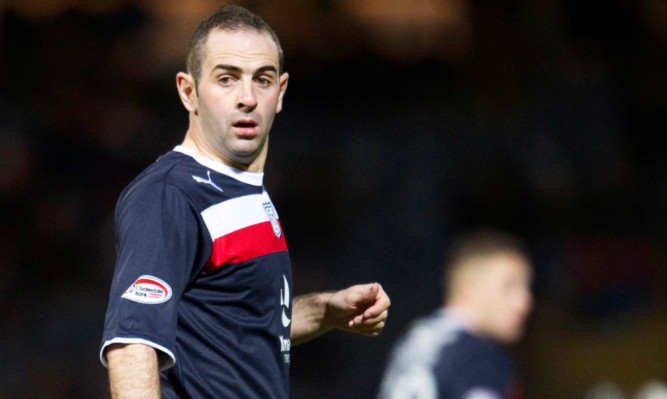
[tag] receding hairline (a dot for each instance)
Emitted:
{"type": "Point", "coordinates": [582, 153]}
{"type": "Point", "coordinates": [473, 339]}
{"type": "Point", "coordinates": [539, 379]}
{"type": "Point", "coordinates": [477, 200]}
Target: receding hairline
{"type": "Point", "coordinates": [241, 30]}
{"type": "Point", "coordinates": [227, 19]}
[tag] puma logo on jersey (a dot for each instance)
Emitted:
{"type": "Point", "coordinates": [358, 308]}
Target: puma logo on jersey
{"type": "Point", "coordinates": [205, 181]}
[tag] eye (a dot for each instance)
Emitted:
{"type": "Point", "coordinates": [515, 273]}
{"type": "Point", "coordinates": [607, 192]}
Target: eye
{"type": "Point", "coordinates": [225, 80]}
{"type": "Point", "coordinates": [263, 81]}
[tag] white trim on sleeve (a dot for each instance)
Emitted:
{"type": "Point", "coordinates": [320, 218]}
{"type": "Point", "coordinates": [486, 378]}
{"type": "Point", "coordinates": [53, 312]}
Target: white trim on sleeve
{"type": "Point", "coordinates": [164, 362]}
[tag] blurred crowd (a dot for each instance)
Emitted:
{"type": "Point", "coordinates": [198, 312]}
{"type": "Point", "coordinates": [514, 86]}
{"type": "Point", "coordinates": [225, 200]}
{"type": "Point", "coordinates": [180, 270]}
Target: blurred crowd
{"type": "Point", "coordinates": [405, 123]}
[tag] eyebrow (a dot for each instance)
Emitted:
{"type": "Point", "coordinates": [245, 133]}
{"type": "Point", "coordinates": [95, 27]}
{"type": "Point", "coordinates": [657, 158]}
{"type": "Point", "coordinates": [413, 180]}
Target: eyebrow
{"type": "Point", "coordinates": [233, 68]}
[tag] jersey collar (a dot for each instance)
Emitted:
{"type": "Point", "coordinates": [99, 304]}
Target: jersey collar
{"type": "Point", "coordinates": [252, 178]}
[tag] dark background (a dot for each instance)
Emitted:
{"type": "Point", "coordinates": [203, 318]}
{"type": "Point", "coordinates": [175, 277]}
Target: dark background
{"type": "Point", "coordinates": [405, 123]}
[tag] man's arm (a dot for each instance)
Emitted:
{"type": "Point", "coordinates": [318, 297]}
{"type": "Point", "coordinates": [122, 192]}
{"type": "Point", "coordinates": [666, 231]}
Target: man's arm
{"type": "Point", "coordinates": [133, 371]}
{"type": "Point", "coordinates": [361, 309]}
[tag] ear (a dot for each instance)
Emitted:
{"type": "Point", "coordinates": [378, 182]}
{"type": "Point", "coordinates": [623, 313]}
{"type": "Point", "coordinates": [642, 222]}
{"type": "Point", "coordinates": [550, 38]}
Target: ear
{"type": "Point", "coordinates": [187, 91]}
{"type": "Point", "coordinates": [283, 88]}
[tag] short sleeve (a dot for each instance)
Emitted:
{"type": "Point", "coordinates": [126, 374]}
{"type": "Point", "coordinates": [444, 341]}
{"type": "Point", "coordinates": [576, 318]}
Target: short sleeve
{"type": "Point", "coordinates": [157, 235]}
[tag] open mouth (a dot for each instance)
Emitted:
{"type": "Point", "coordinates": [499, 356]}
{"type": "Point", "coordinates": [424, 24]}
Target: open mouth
{"type": "Point", "coordinates": [245, 124]}
{"type": "Point", "coordinates": [245, 128]}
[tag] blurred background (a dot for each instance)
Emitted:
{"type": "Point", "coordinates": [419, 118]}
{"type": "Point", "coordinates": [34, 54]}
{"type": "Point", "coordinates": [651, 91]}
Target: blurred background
{"type": "Point", "coordinates": [405, 123]}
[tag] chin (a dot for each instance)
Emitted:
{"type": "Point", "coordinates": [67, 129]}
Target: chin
{"type": "Point", "coordinates": [510, 337]}
{"type": "Point", "coordinates": [245, 156]}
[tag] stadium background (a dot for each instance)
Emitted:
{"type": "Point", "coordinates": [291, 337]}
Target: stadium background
{"type": "Point", "coordinates": [405, 123]}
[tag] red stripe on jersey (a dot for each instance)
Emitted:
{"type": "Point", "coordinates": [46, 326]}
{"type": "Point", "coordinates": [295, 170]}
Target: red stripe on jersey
{"type": "Point", "coordinates": [245, 244]}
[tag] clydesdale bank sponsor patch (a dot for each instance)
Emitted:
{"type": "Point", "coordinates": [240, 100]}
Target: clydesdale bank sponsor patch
{"type": "Point", "coordinates": [148, 289]}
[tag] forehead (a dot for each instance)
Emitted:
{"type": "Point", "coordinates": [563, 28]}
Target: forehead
{"type": "Point", "coordinates": [509, 265]}
{"type": "Point", "coordinates": [240, 47]}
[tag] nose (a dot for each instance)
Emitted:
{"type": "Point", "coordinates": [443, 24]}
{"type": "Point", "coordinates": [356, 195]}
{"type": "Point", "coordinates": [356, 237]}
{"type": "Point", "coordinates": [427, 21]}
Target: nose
{"type": "Point", "coordinates": [247, 100]}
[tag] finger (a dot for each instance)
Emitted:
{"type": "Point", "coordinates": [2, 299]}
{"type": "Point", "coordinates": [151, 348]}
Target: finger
{"type": "Point", "coordinates": [373, 330]}
{"type": "Point", "coordinates": [356, 321]}
{"type": "Point", "coordinates": [381, 318]}
{"type": "Point", "coordinates": [361, 296]}
{"type": "Point", "coordinates": [365, 294]}
{"type": "Point", "coordinates": [373, 290]}
{"type": "Point", "coordinates": [381, 303]}
{"type": "Point", "coordinates": [361, 322]}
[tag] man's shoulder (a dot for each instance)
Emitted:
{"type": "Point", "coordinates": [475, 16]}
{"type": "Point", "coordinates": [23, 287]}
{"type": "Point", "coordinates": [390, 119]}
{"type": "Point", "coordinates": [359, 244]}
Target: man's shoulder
{"type": "Point", "coordinates": [437, 324]}
{"type": "Point", "coordinates": [478, 347]}
{"type": "Point", "coordinates": [410, 370]}
{"type": "Point", "coordinates": [424, 339]}
{"type": "Point", "coordinates": [169, 172]}
{"type": "Point", "coordinates": [169, 168]}
{"type": "Point", "coordinates": [173, 169]}
{"type": "Point", "coordinates": [475, 359]}
{"type": "Point", "coordinates": [475, 364]}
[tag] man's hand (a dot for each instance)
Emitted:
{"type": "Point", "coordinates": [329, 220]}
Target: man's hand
{"type": "Point", "coordinates": [362, 309]}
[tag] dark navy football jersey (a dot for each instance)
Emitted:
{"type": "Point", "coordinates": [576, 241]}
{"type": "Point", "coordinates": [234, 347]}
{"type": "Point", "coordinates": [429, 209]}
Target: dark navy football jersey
{"type": "Point", "coordinates": [439, 359]}
{"type": "Point", "coordinates": [203, 276]}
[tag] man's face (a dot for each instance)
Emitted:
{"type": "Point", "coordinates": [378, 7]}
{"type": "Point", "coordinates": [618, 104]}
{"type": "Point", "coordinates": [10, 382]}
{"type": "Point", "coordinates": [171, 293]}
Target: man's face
{"type": "Point", "coordinates": [503, 296]}
{"type": "Point", "coordinates": [239, 93]}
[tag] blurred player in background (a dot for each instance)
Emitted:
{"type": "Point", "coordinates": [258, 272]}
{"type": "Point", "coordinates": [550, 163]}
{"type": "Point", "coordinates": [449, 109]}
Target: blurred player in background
{"type": "Point", "coordinates": [459, 351]}
{"type": "Point", "coordinates": [200, 302]}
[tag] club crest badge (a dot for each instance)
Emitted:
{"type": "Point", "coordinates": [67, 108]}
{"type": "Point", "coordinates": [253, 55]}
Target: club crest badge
{"type": "Point", "coordinates": [148, 289]}
{"type": "Point", "coordinates": [273, 218]}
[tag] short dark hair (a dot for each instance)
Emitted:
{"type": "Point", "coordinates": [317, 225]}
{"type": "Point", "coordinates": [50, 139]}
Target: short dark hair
{"type": "Point", "coordinates": [227, 18]}
{"type": "Point", "coordinates": [480, 243]}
